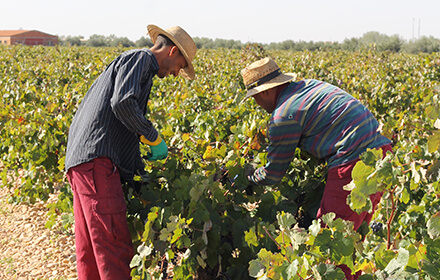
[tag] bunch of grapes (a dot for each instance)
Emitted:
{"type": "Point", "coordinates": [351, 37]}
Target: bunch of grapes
{"type": "Point", "coordinates": [376, 226]}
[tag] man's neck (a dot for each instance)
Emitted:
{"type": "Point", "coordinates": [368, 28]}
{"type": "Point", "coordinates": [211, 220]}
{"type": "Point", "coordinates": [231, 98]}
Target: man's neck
{"type": "Point", "coordinates": [280, 88]}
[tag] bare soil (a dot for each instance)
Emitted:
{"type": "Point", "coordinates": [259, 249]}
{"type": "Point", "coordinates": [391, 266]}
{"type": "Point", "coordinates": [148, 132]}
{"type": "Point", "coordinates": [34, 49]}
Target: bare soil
{"type": "Point", "coordinates": [28, 250]}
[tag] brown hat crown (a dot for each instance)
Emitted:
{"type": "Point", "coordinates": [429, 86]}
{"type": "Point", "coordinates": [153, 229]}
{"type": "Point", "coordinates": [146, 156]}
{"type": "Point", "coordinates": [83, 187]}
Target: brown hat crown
{"type": "Point", "coordinates": [256, 71]}
{"type": "Point", "coordinates": [262, 75]}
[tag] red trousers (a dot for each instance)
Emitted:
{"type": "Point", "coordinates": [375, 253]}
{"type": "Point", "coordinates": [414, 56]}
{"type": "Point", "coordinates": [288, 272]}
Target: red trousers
{"type": "Point", "coordinates": [334, 200]}
{"type": "Point", "coordinates": [103, 242]}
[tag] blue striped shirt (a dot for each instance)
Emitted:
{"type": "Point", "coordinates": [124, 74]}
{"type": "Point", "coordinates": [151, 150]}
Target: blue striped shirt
{"type": "Point", "coordinates": [322, 120]}
{"type": "Point", "coordinates": [111, 116]}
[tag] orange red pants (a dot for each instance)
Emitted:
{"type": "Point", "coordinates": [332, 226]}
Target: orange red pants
{"type": "Point", "coordinates": [103, 242]}
{"type": "Point", "coordinates": [334, 200]}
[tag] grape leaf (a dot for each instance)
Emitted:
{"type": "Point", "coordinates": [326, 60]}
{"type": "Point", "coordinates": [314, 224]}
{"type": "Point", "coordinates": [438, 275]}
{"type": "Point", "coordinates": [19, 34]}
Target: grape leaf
{"type": "Point", "coordinates": [433, 226]}
{"type": "Point", "coordinates": [434, 141]}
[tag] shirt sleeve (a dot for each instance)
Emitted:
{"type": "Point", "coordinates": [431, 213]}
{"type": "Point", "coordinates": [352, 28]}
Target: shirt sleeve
{"type": "Point", "coordinates": [284, 136]}
{"type": "Point", "coordinates": [126, 98]}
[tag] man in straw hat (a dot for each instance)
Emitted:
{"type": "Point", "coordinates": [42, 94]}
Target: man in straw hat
{"type": "Point", "coordinates": [322, 120]}
{"type": "Point", "coordinates": [103, 149]}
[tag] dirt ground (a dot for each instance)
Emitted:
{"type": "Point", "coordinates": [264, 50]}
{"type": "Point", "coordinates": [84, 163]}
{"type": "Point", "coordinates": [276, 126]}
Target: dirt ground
{"type": "Point", "coordinates": [28, 250]}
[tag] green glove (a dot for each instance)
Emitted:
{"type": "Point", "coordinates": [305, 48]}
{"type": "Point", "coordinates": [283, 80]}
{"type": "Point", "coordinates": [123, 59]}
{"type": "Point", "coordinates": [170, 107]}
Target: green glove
{"type": "Point", "coordinates": [158, 152]}
{"type": "Point", "coordinates": [159, 149]}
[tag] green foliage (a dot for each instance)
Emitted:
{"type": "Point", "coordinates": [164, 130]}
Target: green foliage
{"type": "Point", "coordinates": [252, 52]}
{"type": "Point", "coordinates": [184, 219]}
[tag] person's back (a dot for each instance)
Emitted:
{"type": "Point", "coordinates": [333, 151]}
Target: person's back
{"type": "Point", "coordinates": [96, 131]}
{"type": "Point", "coordinates": [325, 121]}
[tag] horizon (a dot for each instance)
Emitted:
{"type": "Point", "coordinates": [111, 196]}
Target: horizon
{"type": "Point", "coordinates": [245, 21]}
{"type": "Point", "coordinates": [408, 40]}
{"type": "Point", "coordinates": [62, 36]}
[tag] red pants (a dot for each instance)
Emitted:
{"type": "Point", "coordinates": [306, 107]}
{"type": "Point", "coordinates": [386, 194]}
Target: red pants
{"type": "Point", "coordinates": [334, 200]}
{"type": "Point", "coordinates": [103, 242]}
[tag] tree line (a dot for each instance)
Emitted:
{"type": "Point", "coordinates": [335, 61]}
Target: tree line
{"type": "Point", "coordinates": [374, 39]}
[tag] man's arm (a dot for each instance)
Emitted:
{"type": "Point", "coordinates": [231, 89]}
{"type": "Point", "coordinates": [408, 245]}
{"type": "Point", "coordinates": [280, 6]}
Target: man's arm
{"type": "Point", "coordinates": [127, 93]}
{"type": "Point", "coordinates": [284, 136]}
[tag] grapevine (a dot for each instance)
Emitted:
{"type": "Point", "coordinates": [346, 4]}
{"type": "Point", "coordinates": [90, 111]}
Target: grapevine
{"type": "Point", "coordinates": [193, 215]}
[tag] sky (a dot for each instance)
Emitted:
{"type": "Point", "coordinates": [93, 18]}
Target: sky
{"type": "Point", "coordinates": [256, 21]}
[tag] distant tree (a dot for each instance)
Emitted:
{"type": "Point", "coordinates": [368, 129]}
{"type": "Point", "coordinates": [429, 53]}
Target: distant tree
{"type": "Point", "coordinates": [272, 46]}
{"type": "Point", "coordinates": [393, 43]}
{"type": "Point", "coordinates": [121, 41]}
{"type": "Point", "coordinates": [352, 44]}
{"type": "Point", "coordinates": [303, 45]}
{"type": "Point", "coordinates": [380, 42]}
{"type": "Point", "coordinates": [97, 41]}
{"type": "Point", "coordinates": [423, 45]}
{"type": "Point", "coordinates": [71, 41]}
{"type": "Point", "coordinates": [144, 42]}
{"type": "Point", "coordinates": [209, 44]}
{"type": "Point", "coordinates": [287, 45]}
{"type": "Point", "coordinates": [109, 39]}
{"type": "Point", "coordinates": [372, 37]}
{"type": "Point", "coordinates": [227, 44]}
{"type": "Point", "coordinates": [198, 41]}
{"type": "Point", "coordinates": [202, 42]}
{"type": "Point", "coordinates": [330, 46]}
{"type": "Point", "coordinates": [206, 43]}
{"type": "Point", "coordinates": [313, 46]}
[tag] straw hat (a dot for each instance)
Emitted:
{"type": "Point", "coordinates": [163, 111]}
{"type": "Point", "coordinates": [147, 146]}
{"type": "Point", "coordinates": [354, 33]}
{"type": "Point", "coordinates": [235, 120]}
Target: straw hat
{"type": "Point", "coordinates": [182, 40]}
{"type": "Point", "coordinates": [262, 75]}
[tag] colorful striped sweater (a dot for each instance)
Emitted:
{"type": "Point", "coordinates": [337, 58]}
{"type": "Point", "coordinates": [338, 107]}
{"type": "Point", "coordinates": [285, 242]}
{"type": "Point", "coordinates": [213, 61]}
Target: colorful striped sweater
{"type": "Point", "coordinates": [322, 120]}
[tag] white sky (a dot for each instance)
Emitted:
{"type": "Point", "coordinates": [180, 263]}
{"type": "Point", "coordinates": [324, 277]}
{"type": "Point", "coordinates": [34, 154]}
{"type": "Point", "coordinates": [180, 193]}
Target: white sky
{"type": "Point", "coordinates": [261, 21]}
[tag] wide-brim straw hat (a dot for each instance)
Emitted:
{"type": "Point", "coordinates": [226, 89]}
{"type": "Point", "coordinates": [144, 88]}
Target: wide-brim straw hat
{"type": "Point", "coordinates": [182, 40]}
{"type": "Point", "coordinates": [262, 75]}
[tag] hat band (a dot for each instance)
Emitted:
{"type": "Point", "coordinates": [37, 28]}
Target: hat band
{"type": "Point", "coordinates": [264, 79]}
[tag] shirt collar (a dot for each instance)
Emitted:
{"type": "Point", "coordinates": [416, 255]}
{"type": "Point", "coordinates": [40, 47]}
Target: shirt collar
{"type": "Point", "coordinates": [289, 88]}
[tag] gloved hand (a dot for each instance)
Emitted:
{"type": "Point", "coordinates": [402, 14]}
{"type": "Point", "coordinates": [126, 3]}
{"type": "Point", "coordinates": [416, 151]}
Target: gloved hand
{"type": "Point", "coordinates": [249, 169]}
{"type": "Point", "coordinates": [249, 172]}
{"type": "Point", "coordinates": [158, 151]}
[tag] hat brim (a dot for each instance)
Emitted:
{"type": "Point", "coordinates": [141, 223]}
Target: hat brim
{"type": "Point", "coordinates": [279, 80]}
{"type": "Point", "coordinates": [154, 31]}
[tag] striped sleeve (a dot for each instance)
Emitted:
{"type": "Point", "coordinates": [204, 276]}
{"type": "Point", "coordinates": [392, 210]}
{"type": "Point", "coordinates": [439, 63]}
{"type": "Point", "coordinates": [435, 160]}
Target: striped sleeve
{"type": "Point", "coordinates": [124, 102]}
{"type": "Point", "coordinates": [284, 135]}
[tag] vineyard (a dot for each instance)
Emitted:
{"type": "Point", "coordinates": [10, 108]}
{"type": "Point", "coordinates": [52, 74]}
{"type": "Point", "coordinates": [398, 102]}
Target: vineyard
{"type": "Point", "coordinates": [193, 216]}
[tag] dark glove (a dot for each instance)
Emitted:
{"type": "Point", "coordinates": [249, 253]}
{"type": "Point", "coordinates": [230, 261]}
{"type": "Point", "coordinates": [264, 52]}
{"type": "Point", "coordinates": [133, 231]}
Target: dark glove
{"type": "Point", "coordinates": [250, 188]}
{"type": "Point", "coordinates": [249, 169]}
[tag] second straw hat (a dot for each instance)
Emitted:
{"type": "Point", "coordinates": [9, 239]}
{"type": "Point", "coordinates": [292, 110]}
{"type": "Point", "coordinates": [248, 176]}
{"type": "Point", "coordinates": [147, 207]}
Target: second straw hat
{"type": "Point", "coordinates": [262, 75]}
